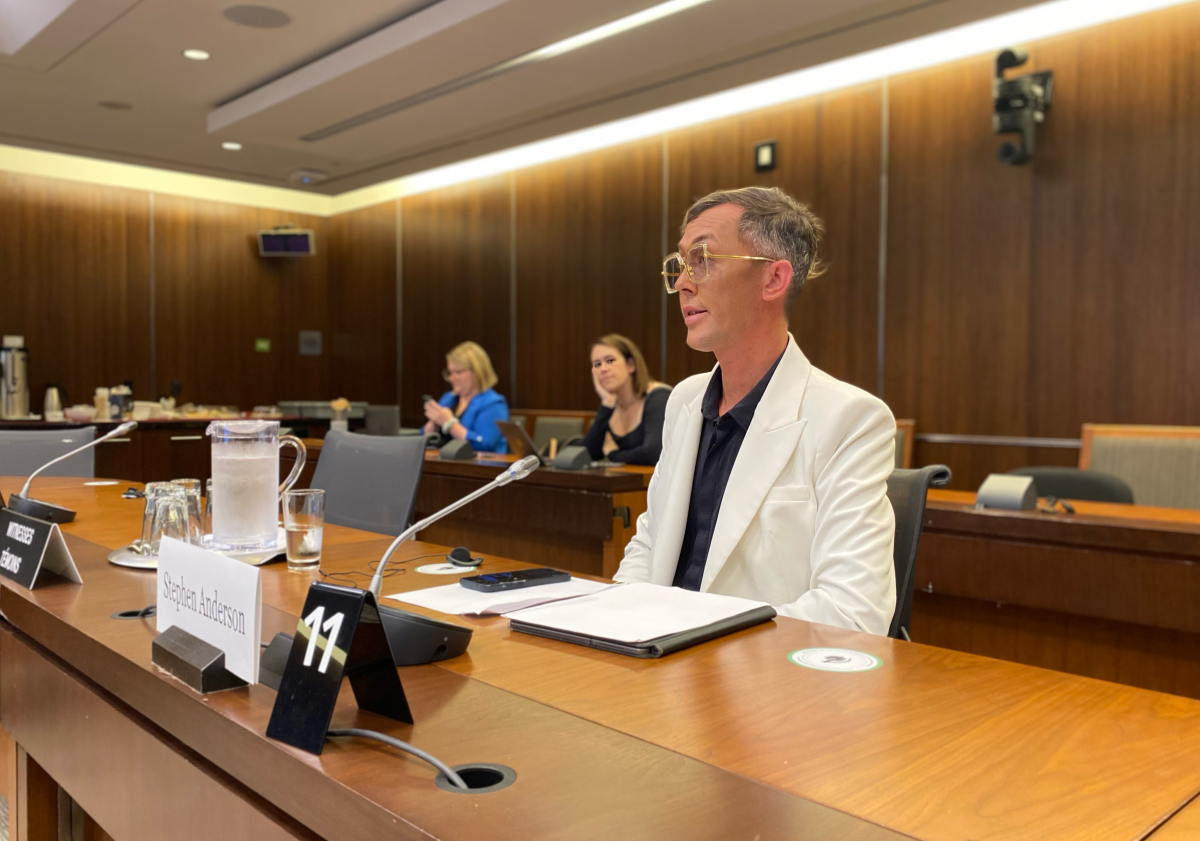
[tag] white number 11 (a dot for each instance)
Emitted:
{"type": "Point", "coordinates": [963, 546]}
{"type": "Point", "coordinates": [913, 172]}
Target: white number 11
{"type": "Point", "coordinates": [333, 627]}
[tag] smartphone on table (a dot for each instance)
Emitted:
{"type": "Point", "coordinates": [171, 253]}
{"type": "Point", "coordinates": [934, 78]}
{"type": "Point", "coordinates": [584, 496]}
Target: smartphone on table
{"type": "Point", "coordinates": [494, 582]}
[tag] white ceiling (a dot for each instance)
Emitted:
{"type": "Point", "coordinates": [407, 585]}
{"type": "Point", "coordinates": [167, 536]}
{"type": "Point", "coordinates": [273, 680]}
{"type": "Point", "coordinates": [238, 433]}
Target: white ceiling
{"type": "Point", "coordinates": [270, 88]}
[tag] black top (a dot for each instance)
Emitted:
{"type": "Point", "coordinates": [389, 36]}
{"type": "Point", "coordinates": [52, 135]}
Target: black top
{"type": "Point", "coordinates": [720, 440]}
{"type": "Point", "coordinates": [643, 443]}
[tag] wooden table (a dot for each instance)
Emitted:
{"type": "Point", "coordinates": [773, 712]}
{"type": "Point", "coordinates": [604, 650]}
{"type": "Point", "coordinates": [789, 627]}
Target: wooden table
{"type": "Point", "coordinates": [725, 740]}
{"type": "Point", "coordinates": [1111, 592]}
{"type": "Point", "coordinates": [579, 520]}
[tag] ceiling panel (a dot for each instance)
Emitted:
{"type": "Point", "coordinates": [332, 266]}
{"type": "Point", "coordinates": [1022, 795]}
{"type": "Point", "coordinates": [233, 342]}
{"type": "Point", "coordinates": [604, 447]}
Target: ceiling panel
{"type": "Point", "coordinates": [320, 69]}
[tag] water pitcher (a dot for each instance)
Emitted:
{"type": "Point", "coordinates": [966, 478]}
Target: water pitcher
{"type": "Point", "coordinates": [245, 478]}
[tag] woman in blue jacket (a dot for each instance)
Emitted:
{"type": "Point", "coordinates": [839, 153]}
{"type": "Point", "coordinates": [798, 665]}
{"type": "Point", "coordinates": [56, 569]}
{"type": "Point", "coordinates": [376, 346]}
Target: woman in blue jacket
{"type": "Point", "coordinates": [470, 409]}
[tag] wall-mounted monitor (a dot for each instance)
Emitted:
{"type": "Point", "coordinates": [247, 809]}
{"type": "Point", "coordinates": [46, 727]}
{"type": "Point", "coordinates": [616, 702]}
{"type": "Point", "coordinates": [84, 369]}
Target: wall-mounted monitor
{"type": "Point", "coordinates": [291, 242]}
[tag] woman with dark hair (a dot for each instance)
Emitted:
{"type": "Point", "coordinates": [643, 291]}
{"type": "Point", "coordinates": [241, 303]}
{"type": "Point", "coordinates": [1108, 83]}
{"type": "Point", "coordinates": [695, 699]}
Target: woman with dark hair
{"type": "Point", "coordinates": [628, 425]}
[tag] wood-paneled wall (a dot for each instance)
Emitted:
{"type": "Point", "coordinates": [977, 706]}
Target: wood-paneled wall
{"type": "Point", "coordinates": [214, 296]}
{"type": "Point", "coordinates": [74, 281]}
{"type": "Point", "coordinates": [360, 347]}
{"type": "Point", "coordinates": [457, 274]}
{"type": "Point", "coordinates": [1016, 301]}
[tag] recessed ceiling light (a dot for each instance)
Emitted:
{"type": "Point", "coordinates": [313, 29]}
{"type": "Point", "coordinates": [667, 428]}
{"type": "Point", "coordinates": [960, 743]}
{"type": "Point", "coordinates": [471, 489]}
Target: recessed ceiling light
{"type": "Point", "coordinates": [197, 55]}
{"type": "Point", "coordinates": [115, 106]}
{"type": "Point", "coordinates": [231, 145]}
{"type": "Point", "coordinates": [260, 17]}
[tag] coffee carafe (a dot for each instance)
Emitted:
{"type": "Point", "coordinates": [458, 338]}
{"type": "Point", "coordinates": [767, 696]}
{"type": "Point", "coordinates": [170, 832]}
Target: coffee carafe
{"type": "Point", "coordinates": [245, 483]}
{"type": "Point", "coordinates": [14, 387]}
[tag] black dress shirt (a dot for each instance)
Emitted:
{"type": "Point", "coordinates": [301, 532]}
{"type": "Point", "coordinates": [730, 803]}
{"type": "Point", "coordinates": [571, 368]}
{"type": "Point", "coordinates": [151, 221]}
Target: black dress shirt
{"type": "Point", "coordinates": [720, 440]}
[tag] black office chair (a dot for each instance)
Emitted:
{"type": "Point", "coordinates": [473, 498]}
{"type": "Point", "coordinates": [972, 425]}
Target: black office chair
{"type": "Point", "coordinates": [370, 481]}
{"type": "Point", "coordinates": [1073, 483]}
{"type": "Point", "coordinates": [906, 491]}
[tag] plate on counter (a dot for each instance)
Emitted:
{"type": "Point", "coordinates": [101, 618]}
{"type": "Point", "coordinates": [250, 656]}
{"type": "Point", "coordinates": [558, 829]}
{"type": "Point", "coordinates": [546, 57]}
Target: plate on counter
{"type": "Point", "coordinates": [130, 558]}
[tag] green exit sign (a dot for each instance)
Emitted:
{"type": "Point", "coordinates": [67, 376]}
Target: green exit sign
{"type": "Point", "coordinates": [262, 345]}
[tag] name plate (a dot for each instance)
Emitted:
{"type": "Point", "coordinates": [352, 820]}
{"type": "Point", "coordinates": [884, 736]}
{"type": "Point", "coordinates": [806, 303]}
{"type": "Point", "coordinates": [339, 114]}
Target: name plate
{"type": "Point", "coordinates": [339, 634]}
{"type": "Point", "coordinates": [215, 598]}
{"type": "Point", "coordinates": [27, 546]}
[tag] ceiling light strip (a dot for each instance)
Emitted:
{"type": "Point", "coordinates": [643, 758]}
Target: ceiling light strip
{"type": "Point", "coordinates": [575, 42]}
{"type": "Point", "coordinates": [162, 181]}
{"type": "Point", "coordinates": [1029, 24]}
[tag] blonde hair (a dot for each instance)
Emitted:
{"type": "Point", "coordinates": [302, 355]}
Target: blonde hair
{"type": "Point", "coordinates": [472, 356]}
{"type": "Point", "coordinates": [627, 349]}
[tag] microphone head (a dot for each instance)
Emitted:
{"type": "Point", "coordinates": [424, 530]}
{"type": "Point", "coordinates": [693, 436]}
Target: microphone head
{"type": "Point", "coordinates": [524, 467]}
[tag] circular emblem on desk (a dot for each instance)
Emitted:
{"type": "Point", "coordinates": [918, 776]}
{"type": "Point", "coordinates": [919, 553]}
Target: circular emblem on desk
{"type": "Point", "coordinates": [835, 659]}
{"type": "Point", "coordinates": [443, 569]}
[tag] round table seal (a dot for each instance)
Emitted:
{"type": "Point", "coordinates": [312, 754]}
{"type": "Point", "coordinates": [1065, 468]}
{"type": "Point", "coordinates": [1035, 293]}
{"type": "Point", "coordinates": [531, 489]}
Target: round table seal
{"type": "Point", "coordinates": [443, 569]}
{"type": "Point", "coordinates": [835, 659]}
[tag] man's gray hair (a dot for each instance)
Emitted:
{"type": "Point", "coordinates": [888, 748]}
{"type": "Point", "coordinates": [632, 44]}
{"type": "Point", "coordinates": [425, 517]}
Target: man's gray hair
{"type": "Point", "coordinates": [774, 225]}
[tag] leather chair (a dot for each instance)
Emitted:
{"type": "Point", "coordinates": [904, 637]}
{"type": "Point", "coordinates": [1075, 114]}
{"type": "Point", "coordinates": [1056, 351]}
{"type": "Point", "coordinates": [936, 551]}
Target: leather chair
{"type": "Point", "coordinates": [370, 481]}
{"type": "Point", "coordinates": [1073, 483]}
{"type": "Point", "coordinates": [906, 491]}
{"type": "Point", "coordinates": [23, 451]}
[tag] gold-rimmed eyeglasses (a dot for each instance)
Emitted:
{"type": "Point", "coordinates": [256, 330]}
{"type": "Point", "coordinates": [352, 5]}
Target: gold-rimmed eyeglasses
{"type": "Point", "coordinates": [695, 261]}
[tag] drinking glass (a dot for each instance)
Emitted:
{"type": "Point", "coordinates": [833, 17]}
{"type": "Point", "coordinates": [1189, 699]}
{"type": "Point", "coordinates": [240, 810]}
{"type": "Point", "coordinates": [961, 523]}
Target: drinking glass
{"type": "Point", "coordinates": [195, 520]}
{"type": "Point", "coordinates": [208, 525]}
{"type": "Point", "coordinates": [166, 515]}
{"type": "Point", "coordinates": [304, 523]}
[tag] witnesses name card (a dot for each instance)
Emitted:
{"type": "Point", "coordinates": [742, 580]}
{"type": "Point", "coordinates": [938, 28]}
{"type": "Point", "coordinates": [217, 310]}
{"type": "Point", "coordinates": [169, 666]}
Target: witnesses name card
{"type": "Point", "coordinates": [28, 546]}
{"type": "Point", "coordinates": [215, 598]}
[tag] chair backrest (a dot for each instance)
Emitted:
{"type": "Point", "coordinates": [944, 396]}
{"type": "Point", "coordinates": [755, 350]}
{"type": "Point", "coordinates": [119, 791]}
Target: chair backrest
{"type": "Point", "coordinates": [906, 491]}
{"type": "Point", "coordinates": [1161, 464]}
{"type": "Point", "coordinates": [370, 482]}
{"type": "Point", "coordinates": [551, 426]}
{"type": "Point", "coordinates": [23, 451]}
{"type": "Point", "coordinates": [383, 420]}
{"type": "Point", "coordinates": [1073, 483]}
{"type": "Point", "coordinates": [905, 431]}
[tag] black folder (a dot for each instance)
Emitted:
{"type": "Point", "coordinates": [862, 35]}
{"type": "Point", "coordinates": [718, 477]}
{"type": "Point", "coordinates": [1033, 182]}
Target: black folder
{"type": "Point", "coordinates": [655, 647]}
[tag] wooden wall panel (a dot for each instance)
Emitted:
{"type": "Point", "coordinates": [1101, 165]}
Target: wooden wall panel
{"type": "Point", "coordinates": [828, 153]}
{"type": "Point", "coordinates": [361, 342]}
{"type": "Point", "coordinates": [1030, 300]}
{"type": "Point", "coordinates": [456, 245]}
{"type": "Point", "coordinates": [215, 296]}
{"type": "Point", "coordinates": [958, 280]}
{"type": "Point", "coordinates": [1116, 207]}
{"type": "Point", "coordinates": [74, 280]}
{"type": "Point", "coordinates": [589, 233]}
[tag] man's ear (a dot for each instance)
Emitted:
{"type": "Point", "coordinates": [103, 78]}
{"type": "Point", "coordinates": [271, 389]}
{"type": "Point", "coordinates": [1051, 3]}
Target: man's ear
{"type": "Point", "coordinates": [778, 281]}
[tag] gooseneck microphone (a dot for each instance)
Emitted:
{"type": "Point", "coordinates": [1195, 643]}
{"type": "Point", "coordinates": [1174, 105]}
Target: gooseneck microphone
{"type": "Point", "coordinates": [518, 470]}
{"type": "Point", "coordinates": [22, 504]}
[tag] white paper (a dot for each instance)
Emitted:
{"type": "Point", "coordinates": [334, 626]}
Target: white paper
{"type": "Point", "coordinates": [633, 613]}
{"type": "Point", "coordinates": [217, 599]}
{"type": "Point", "coordinates": [455, 598]}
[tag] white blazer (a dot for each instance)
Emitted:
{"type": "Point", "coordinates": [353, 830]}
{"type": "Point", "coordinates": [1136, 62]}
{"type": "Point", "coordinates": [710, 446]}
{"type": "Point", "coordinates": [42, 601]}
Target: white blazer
{"type": "Point", "coordinates": [805, 523]}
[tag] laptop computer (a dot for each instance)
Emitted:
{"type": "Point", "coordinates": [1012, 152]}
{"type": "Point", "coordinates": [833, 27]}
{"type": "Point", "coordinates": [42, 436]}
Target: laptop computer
{"type": "Point", "coordinates": [519, 442]}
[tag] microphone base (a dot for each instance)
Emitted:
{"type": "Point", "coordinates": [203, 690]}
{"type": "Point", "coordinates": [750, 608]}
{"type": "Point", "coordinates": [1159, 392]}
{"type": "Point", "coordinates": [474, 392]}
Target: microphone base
{"type": "Point", "coordinates": [416, 639]}
{"type": "Point", "coordinates": [40, 510]}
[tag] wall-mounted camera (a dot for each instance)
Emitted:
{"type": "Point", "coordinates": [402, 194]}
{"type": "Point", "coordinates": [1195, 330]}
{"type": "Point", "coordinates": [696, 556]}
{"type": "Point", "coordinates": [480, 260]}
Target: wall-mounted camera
{"type": "Point", "coordinates": [1020, 105]}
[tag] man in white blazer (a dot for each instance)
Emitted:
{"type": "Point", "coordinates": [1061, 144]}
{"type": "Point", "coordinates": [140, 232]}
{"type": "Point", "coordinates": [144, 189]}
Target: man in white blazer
{"type": "Point", "coordinates": [772, 483]}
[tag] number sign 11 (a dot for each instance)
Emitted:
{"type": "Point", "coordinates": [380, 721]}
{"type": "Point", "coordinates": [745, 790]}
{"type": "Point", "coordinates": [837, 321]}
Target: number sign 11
{"type": "Point", "coordinates": [339, 632]}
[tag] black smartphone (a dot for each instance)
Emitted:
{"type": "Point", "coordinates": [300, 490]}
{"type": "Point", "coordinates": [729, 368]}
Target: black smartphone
{"type": "Point", "coordinates": [425, 398]}
{"type": "Point", "coordinates": [494, 582]}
